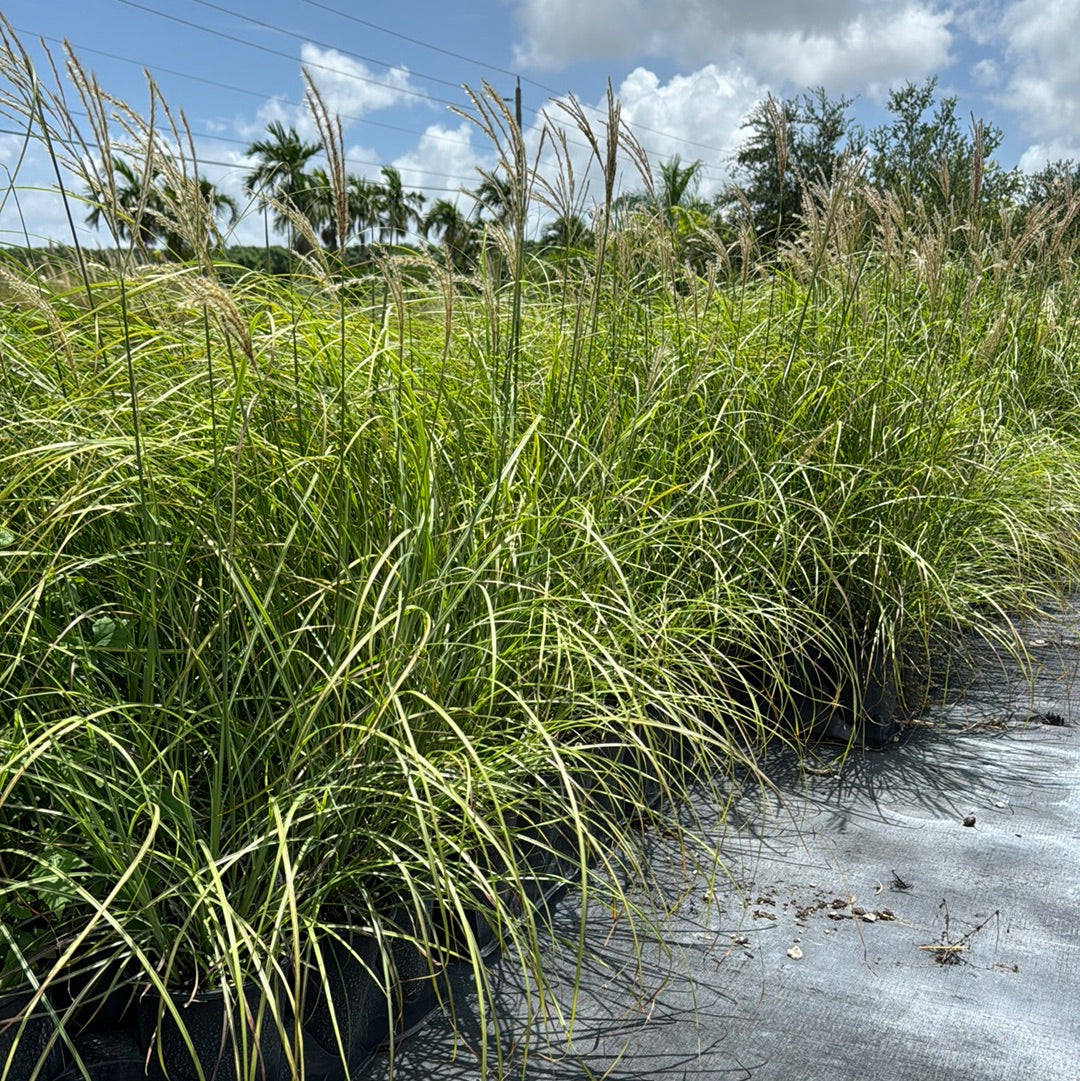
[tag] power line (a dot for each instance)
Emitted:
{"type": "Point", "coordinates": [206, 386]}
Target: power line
{"type": "Point", "coordinates": [352, 75]}
{"type": "Point", "coordinates": [417, 41]}
{"type": "Point", "coordinates": [428, 45]}
{"type": "Point", "coordinates": [211, 136]}
{"type": "Point", "coordinates": [287, 56]}
{"type": "Point", "coordinates": [231, 165]}
{"type": "Point", "coordinates": [321, 44]}
{"type": "Point", "coordinates": [305, 38]}
{"type": "Point", "coordinates": [491, 67]}
{"type": "Point", "coordinates": [244, 90]}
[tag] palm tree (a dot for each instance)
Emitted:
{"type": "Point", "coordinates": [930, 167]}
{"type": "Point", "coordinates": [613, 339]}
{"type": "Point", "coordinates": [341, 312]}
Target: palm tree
{"type": "Point", "coordinates": [494, 196]}
{"type": "Point", "coordinates": [130, 207]}
{"type": "Point", "coordinates": [148, 208]}
{"type": "Point", "coordinates": [399, 207]}
{"type": "Point", "coordinates": [677, 182]}
{"type": "Point", "coordinates": [566, 231]}
{"type": "Point", "coordinates": [365, 205]}
{"type": "Point", "coordinates": [316, 202]}
{"type": "Point", "coordinates": [279, 172]}
{"type": "Point", "coordinates": [457, 235]}
{"type": "Point", "coordinates": [213, 204]}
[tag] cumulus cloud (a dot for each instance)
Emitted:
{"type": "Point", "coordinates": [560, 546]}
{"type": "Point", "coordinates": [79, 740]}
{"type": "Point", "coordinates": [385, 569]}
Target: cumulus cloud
{"type": "Point", "coordinates": [836, 41]}
{"type": "Point", "coordinates": [986, 72]}
{"type": "Point", "coordinates": [40, 210]}
{"type": "Point", "coordinates": [558, 32]}
{"type": "Point", "coordinates": [443, 161]}
{"type": "Point", "coordinates": [1044, 84]}
{"type": "Point", "coordinates": [1038, 154]}
{"type": "Point", "coordinates": [874, 49]}
{"type": "Point", "coordinates": [696, 116]}
{"type": "Point", "coordinates": [350, 89]}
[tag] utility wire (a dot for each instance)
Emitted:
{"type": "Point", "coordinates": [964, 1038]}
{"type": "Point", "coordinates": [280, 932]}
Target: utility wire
{"type": "Point", "coordinates": [706, 169]}
{"type": "Point", "coordinates": [305, 38]}
{"type": "Point", "coordinates": [287, 56]}
{"type": "Point", "coordinates": [417, 41]}
{"type": "Point", "coordinates": [245, 90]}
{"type": "Point", "coordinates": [210, 136]}
{"type": "Point", "coordinates": [428, 45]}
{"type": "Point", "coordinates": [491, 67]}
{"type": "Point", "coordinates": [322, 44]}
{"type": "Point", "coordinates": [232, 165]}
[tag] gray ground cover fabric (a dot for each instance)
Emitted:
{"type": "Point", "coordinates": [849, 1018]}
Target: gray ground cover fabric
{"type": "Point", "coordinates": [976, 976]}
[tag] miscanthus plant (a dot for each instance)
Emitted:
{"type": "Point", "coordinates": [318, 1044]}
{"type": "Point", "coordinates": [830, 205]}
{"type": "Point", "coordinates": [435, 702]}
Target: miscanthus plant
{"type": "Point", "coordinates": [328, 604]}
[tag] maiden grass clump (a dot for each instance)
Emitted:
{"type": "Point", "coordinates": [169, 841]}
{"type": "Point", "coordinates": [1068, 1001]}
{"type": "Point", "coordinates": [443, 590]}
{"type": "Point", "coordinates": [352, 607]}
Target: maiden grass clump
{"type": "Point", "coordinates": [317, 593]}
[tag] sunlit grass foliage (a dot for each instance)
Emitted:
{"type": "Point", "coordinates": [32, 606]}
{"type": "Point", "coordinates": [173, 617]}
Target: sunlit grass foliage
{"type": "Point", "coordinates": [318, 592]}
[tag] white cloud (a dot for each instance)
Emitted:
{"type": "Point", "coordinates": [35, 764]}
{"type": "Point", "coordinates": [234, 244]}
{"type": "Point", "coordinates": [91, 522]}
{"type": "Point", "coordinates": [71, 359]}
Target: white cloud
{"type": "Point", "coordinates": [1044, 84]}
{"type": "Point", "coordinates": [978, 19]}
{"type": "Point", "coordinates": [40, 209]}
{"type": "Point", "coordinates": [444, 158]}
{"type": "Point", "coordinates": [874, 49]}
{"type": "Point", "coordinates": [834, 41]}
{"type": "Point", "coordinates": [697, 116]}
{"type": "Point", "coordinates": [30, 206]}
{"type": "Point", "coordinates": [349, 88]}
{"type": "Point", "coordinates": [986, 72]}
{"type": "Point", "coordinates": [558, 32]}
{"type": "Point", "coordinates": [1038, 154]}
{"type": "Point", "coordinates": [10, 147]}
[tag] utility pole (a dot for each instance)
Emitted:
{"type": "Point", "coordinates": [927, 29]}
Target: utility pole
{"type": "Point", "coordinates": [517, 103]}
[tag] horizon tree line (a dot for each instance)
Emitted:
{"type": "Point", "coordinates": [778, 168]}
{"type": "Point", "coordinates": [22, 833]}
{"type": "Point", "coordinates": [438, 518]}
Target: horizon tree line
{"type": "Point", "coordinates": [922, 153]}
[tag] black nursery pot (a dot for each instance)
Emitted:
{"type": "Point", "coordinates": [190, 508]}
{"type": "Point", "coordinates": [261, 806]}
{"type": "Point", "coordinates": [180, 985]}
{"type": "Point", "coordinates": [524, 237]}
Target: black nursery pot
{"type": "Point", "coordinates": [356, 1002]}
{"type": "Point", "coordinates": [828, 705]}
{"type": "Point", "coordinates": [414, 993]}
{"type": "Point", "coordinates": [29, 1039]}
{"type": "Point", "coordinates": [345, 1011]}
{"type": "Point", "coordinates": [98, 994]}
{"type": "Point", "coordinates": [234, 1037]}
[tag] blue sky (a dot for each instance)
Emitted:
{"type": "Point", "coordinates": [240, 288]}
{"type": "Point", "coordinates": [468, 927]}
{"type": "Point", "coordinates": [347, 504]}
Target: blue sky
{"type": "Point", "coordinates": [686, 71]}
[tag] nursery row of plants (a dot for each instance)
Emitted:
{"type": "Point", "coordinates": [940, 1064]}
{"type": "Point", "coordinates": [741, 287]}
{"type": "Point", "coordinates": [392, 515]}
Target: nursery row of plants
{"type": "Point", "coordinates": [327, 607]}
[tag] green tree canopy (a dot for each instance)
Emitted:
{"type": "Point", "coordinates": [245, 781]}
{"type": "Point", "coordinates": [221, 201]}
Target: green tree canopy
{"type": "Point", "coordinates": [678, 186]}
{"type": "Point", "coordinates": [457, 235]}
{"type": "Point", "coordinates": [316, 202]}
{"type": "Point", "coordinates": [400, 208]}
{"type": "Point", "coordinates": [365, 206]}
{"type": "Point", "coordinates": [159, 206]}
{"type": "Point", "coordinates": [279, 171]}
{"type": "Point", "coordinates": [495, 198]}
{"type": "Point", "coordinates": [567, 231]}
{"type": "Point", "coordinates": [926, 153]}
{"type": "Point", "coordinates": [125, 208]}
{"type": "Point", "coordinates": [790, 144]}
